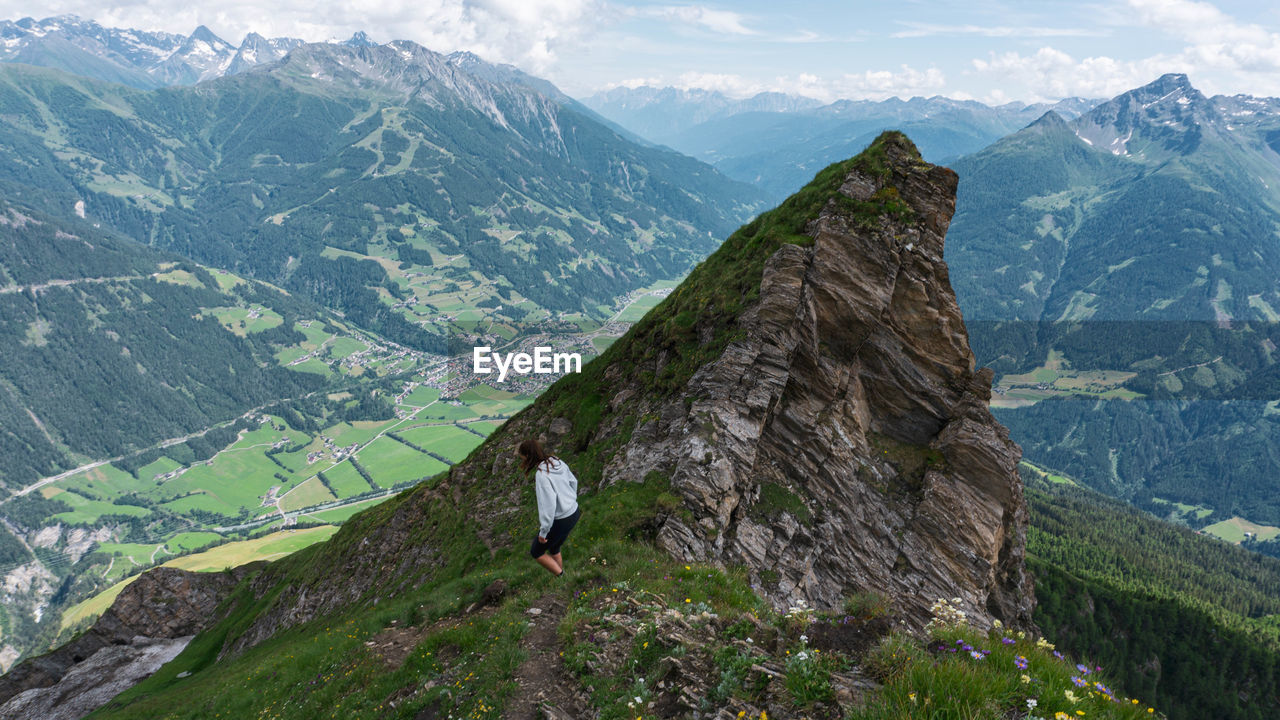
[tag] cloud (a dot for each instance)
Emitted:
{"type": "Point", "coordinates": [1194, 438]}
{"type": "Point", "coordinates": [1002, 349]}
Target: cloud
{"type": "Point", "coordinates": [524, 32]}
{"type": "Point", "coordinates": [1050, 74]}
{"type": "Point", "coordinates": [916, 30]}
{"type": "Point", "coordinates": [1220, 54]}
{"type": "Point", "coordinates": [724, 22]}
{"type": "Point", "coordinates": [1215, 39]}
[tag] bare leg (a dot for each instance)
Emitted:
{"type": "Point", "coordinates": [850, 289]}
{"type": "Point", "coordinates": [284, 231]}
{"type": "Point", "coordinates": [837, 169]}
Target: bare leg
{"type": "Point", "coordinates": [549, 562]}
{"type": "Point", "coordinates": [559, 561]}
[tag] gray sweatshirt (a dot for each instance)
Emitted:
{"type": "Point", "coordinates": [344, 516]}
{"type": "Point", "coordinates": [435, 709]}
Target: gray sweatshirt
{"type": "Point", "coordinates": [557, 491]}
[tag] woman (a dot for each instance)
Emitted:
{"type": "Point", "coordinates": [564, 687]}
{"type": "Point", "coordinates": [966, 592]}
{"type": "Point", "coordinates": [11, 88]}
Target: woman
{"type": "Point", "coordinates": [557, 492]}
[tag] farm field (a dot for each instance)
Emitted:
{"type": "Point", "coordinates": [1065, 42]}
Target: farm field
{"type": "Point", "coordinates": [1233, 530]}
{"type": "Point", "coordinates": [449, 441]}
{"type": "Point", "coordinates": [1056, 378]}
{"type": "Point", "coordinates": [269, 547]}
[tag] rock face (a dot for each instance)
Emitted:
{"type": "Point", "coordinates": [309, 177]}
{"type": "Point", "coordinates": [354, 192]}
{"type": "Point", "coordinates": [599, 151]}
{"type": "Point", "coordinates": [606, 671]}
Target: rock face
{"type": "Point", "coordinates": [828, 430]}
{"type": "Point", "coordinates": [150, 622]}
{"type": "Point", "coordinates": [843, 443]}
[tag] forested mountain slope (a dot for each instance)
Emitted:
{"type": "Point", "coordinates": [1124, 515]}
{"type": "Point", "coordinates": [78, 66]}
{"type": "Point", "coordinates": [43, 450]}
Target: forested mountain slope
{"type": "Point", "coordinates": [467, 185]}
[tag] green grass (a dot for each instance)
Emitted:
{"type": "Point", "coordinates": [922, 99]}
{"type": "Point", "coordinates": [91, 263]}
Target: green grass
{"type": "Point", "coordinates": [391, 462]}
{"type": "Point", "coordinates": [357, 433]}
{"type": "Point", "coordinates": [470, 662]}
{"type": "Point", "coordinates": [269, 547]}
{"type": "Point", "coordinates": [307, 494]}
{"type": "Point", "coordinates": [180, 277]}
{"type": "Point", "coordinates": [639, 308]}
{"type": "Point", "coordinates": [941, 678]}
{"type": "Point", "coordinates": [107, 482]}
{"type": "Point", "coordinates": [340, 515]}
{"type": "Point", "coordinates": [201, 501]}
{"type": "Point", "coordinates": [238, 320]}
{"type": "Point", "coordinates": [422, 396]}
{"type": "Point", "coordinates": [85, 510]}
{"type": "Point", "coordinates": [345, 480]}
{"type": "Point", "coordinates": [447, 411]}
{"type": "Point", "coordinates": [446, 440]}
{"type": "Point", "coordinates": [484, 426]}
{"type": "Point", "coordinates": [185, 542]}
{"type": "Point", "coordinates": [1233, 530]}
{"type": "Point", "coordinates": [342, 347]}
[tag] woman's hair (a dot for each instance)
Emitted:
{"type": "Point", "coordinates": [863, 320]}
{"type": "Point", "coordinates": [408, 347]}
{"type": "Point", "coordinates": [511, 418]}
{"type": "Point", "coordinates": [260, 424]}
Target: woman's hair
{"type": "Point", "coordinates": [532, 455]}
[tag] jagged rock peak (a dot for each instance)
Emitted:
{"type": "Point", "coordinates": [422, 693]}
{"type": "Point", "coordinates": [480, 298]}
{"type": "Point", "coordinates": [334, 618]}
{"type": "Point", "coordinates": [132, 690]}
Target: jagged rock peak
{"type": "Point", "coordinates": [811, 395]}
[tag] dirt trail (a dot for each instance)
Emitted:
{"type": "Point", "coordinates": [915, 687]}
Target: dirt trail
{"type": "Point", "coordinates": [545, 691]}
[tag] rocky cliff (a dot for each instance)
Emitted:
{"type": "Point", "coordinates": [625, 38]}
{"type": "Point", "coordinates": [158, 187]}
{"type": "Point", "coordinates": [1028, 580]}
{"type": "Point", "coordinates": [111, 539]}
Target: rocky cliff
{"type": "Point", "coordinates": [148, 624]}
{"type": "Point", "coordinates": [841, 442]}
{"type": "Point", "coordinates": [808, 393]}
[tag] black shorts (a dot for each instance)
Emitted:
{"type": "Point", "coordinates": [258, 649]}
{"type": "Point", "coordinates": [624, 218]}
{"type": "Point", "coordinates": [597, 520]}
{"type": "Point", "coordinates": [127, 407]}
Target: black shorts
{"type": "Point", "coordinates": [556, 536]}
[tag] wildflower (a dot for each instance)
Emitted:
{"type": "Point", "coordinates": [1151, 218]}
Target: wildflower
{"type": "Point", "coordinates": [1079, 681]}
{"type": "Point", "coordinates": [1061, 716]}
{"type": "Point", "coordinates": [804, 638]}
{"type": "Point", "coordinates": [1031, 703]}
{"type": "Point", "coordinates": [1102, 688]}
{"type": "Point", "coordinates": [911, 697]}
{"type": "Point", "coordinates": [1008, 641]}
{"type": "Point", "coordinates": [1070, 696]}
{"type": "Point", "coordinates": [997, 624]}
{"type": "Point", "coordinates": [1026, 679]}
{"type": "Point", "coordinates": [1057, 654]}
{"type": "Point", "coordinates": [1084, 669]}
{"type": "Point", "coordinates": [976, 655]}
{"type": "Point", "coordinates": [1021, 662]}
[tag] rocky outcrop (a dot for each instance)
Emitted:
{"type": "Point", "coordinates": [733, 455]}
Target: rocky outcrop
{"type": "Point", "coordinates": [150, 622]}
{"type": "Point", "coordinates": [843, 444]}
{"type": "Point", "coordinates": [825, 427]}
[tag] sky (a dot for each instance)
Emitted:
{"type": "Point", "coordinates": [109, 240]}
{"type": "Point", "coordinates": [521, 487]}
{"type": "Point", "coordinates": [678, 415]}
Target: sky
{"type": "Point", "coordinates": [1014, 50]}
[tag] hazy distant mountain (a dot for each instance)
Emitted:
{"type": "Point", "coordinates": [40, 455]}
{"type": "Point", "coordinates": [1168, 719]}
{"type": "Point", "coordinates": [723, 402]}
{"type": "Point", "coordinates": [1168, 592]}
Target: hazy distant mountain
{"type": "Point", "coordinates": [662, 115]}
{"type": "Point", "coordinates": [136, 57]}
{"type": "Point", "coordinates": [777, 142]}
{"type": "Point", "coordinates": [1141, 239]}
{"type": "Point", "coordinates": [1158, 204]}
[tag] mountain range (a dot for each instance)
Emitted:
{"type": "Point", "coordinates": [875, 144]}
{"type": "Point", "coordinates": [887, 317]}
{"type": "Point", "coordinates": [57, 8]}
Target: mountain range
{"type": "Point", "coordinates": [387, 181]}
{"type": "Point", "coordinates": [142, 59]}
{"type": "Point", "coordinates": [298, 235]}
{"type": "Point", "coordinates": [778, 142]}
{"type": "Point", "coordinates": [1120, 270]}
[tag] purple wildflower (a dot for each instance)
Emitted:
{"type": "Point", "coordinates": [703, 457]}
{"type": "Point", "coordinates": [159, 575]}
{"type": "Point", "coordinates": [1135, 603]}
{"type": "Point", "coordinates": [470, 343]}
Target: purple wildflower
{"type": "Point", "coordinates": [1079, 681]}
